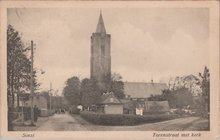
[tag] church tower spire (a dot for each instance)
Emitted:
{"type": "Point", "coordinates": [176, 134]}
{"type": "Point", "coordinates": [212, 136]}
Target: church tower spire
{"type": "Point", "coordinates": [100, 61]}
{"type": "Point", "coordinates": [100, 26]}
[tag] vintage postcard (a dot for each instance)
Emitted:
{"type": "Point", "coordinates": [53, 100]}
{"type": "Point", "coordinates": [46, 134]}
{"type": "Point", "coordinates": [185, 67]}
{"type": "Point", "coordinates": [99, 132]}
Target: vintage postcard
{"type": "Point", "coordinates": [109, 69]}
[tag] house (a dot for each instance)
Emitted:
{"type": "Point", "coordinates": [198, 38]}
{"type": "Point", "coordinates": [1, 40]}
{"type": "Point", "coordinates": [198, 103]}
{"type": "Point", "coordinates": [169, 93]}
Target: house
{"type": "Point", "coordinates": [128, 106]}
{"type": "Point", "coordinates": [141, 90]}
{"type": "Point", "coordinates": [110, 104]}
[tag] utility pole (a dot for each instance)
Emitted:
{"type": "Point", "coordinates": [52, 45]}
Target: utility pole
{"type": "Point", "coordinates": [32, 83]}
{"type": "Point", "coordinates": [50, 95]}
{"type": "Point", "coordinates": [22, 109]}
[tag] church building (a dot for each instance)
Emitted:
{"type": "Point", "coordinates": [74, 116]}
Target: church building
{"type": "Point", "coordinates": [100, 68]}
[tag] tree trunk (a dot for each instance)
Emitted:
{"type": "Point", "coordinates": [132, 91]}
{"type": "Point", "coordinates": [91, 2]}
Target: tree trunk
{"type": "Point", "coordinates": [18, 94]}
{"type": "Point", "coordinates": [18, 101]}
{"type": "Point", "coordinates": [13, 96]}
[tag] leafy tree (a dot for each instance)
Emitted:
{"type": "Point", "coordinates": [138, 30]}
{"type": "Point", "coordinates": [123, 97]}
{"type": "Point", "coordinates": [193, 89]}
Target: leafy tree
{"type": "Point", "coordinates": [18, 66]}
{"type": "Point", "coordinates": [112, 82]}
{"type": "Point", "coordinates": [178, 98]}
{"type": "Point", "coordinates": [182, 98]}
{"type": "Point", "coordinates": [15, 60]}
{"type": "Point", "coordinates": [71, 90]}
{"type": "Point", "coordinates": [89, 92]}
{"type": "Point", "coordinates": [205, 86]}
{"type": "Point", "coordinates": [190, 82]}
{"type": "Point", "coordinates": [18, 70]}
{"type": "Point", "coordinates": [117, 85]}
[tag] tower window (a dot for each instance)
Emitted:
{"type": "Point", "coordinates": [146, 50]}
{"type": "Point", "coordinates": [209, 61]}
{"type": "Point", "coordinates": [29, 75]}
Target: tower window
{"type": "Point", "coordinates": [111, 100]}
{"type": "Point", "coordinates": [103, 50]}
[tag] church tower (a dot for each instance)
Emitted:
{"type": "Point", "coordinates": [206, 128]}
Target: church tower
{"type": "Point", "coordinates": [100, 68]}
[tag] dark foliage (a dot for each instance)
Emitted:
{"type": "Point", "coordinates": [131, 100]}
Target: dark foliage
{"type": "Point", "coordinates": [89, 92]}
{"type": "Point", "coordinates": [18, 65]}
{"type": "Point", "coordinates": [72, 90]}
{"type": "Point", "coordinates": [18, 70]}
{"type": "Point", "coordinates": [178, 98]}
{"type": "Point", "coordinates": [123, 119]}
{"type": "Point", "coordinates": [117, 86]}
{"type": "Point", "coordinates": [205, 86]}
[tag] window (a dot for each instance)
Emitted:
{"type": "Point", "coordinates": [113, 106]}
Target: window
{"type": "Point", "coordinates": [111, 100]}
{"type": "Point", "coordinates": [103, 50]}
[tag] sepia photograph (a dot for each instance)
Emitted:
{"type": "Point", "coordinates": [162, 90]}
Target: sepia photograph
{"type": "Point", "coordinates": [116, 68]}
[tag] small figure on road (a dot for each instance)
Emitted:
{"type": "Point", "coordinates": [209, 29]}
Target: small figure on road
{"type": "Point", "coordinates": [36, 113]}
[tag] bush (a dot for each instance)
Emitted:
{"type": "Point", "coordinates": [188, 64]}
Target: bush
{"type": "Point", "coordinates": [123, 119]}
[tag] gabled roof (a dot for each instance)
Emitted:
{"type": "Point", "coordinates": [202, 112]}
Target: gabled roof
{"type": "Point", "coordinates": [109, 98]}
{"type": "Point", "coordinates": [100, 26]}
{"type": "Point", "coordinates": [143, 90]}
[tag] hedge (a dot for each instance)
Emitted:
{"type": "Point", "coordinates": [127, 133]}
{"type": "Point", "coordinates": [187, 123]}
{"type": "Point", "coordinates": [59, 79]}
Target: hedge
{"type": "Point", "coordinates": [123, 119]}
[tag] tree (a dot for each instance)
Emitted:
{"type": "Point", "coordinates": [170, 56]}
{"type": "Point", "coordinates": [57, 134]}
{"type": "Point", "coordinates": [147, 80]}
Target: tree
{"type": "Point", "coordinates": [71, 90]}
{"type": "Point", "coordinates": [182, 98]}
{"type": "Point", "coordinates": [205, 86]}
{"type": "Point", "coordinates": [18, 66]}
{"type": "Point", "coordinates": [178, 98]}
{"type": "Point", "coordinates": [117, 85]}
{"type": "Point", "coordinates": [190, 82]}
{"type": "Point", "coordinates": [18, 70]}
{"type": "Point", "coordinates": [16, 61]}
{"type": "Point", "coordinates": [90, 92]}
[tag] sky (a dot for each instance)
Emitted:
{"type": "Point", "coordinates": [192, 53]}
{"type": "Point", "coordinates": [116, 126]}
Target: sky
{"type": "Point", "coordinates": [146, 43]}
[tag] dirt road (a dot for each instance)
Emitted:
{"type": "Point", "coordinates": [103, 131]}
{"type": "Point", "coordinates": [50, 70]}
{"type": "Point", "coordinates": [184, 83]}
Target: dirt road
{"type": "Point", "coordinates": [62, 122]}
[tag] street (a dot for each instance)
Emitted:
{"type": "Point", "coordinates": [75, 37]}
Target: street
{"type": "Point", "coordinates": [67, 122]}
{"type": "Point", "coordinates": [62, 122]}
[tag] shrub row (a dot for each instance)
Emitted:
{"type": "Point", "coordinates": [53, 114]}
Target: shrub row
{"type": "Point", "coordinates": [123, 119]}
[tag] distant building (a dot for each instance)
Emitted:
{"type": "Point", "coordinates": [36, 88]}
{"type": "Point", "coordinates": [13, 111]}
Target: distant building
{"type": "Point", "coordinates": [100, 68]}
{"type": "Point", "coordinates": [141, 90]}
{"type": "Point", "coordinates": [110, 104]}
